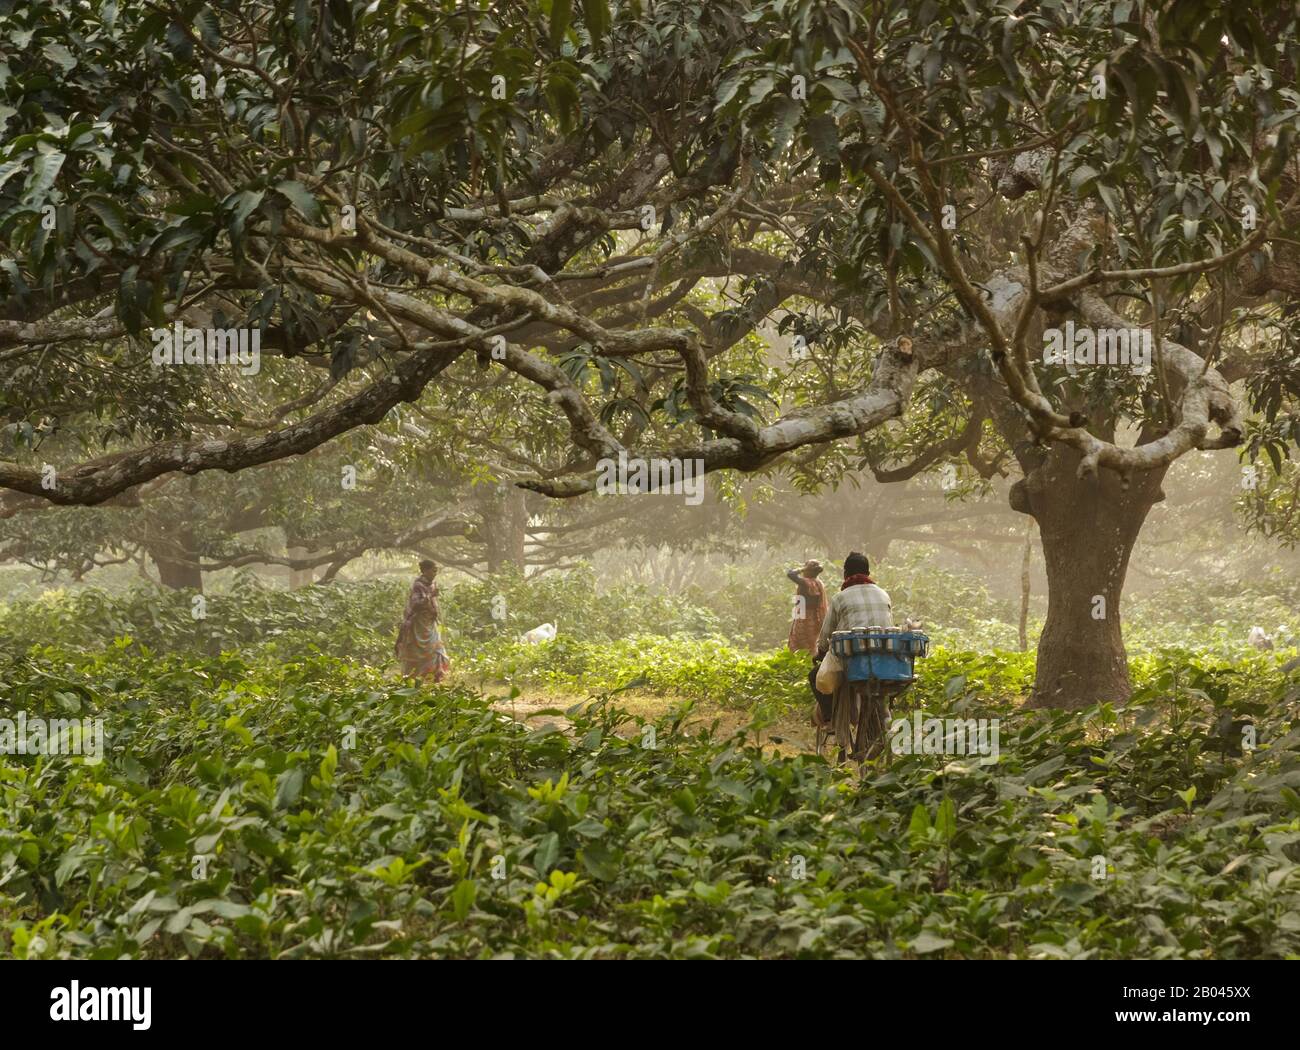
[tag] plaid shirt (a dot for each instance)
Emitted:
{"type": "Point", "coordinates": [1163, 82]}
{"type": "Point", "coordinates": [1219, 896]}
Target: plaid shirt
{"type": "Point", "coordinates": [863, 605]}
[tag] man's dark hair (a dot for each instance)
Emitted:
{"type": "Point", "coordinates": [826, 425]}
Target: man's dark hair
{"type": "Point", "coordinates": [427, 565]}
{"type": "Point", "coordinates": [856, 564]}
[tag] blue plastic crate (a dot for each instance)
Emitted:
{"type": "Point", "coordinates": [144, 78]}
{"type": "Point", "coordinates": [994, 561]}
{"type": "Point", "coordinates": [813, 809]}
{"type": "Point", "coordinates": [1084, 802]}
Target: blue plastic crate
{"type": "Point", "coordinates": [884, 656]}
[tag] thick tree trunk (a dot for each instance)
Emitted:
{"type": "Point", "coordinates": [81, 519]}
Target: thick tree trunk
{"type": "Point", "coordinates": [175, 573]}
{"type": "Point", "coordinates": [504, 530]}
{"type": "Point", "coordinates": [173, 547]}
{"type": "Point", "coordinates": [517, 527]}
{"type": "Point", "coordinates": [1088, 529]}
{"type": "Point", "coordinates": [299, 577]}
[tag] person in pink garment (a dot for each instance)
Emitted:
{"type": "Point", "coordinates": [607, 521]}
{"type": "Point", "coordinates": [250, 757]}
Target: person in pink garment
{"type": "Point", "coordinates": [419, 643]}
{"type": "Point", "coordinates": [807, 622]}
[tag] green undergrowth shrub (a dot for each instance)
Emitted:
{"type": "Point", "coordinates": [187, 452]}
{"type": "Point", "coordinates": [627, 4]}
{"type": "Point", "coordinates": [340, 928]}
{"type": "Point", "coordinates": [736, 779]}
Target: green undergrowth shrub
{"type": "Point", "coordinates": [313, 808]}
{"type": "Point", "coordinates": [705, 669]}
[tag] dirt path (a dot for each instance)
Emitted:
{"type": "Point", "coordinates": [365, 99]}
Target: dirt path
{"type": "Point", "coordinates": [536, 706]}
{"type": "Point", "coordinates": [529, 710]}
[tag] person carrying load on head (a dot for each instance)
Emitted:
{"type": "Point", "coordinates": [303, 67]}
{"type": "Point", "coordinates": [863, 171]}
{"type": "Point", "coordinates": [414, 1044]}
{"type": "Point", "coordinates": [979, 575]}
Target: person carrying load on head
{"type": "Point", "coordinates": [810, 610]}
{"type": "Point", "coordinates": [860, 604]}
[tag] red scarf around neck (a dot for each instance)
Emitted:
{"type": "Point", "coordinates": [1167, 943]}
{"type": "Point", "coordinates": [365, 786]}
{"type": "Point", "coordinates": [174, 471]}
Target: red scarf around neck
{"type": "Point", "coordinates": [854, 581]}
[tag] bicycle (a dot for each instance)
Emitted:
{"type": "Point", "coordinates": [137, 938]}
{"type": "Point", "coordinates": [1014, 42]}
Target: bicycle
{"type": "Point", "coordinates": [879, 664]}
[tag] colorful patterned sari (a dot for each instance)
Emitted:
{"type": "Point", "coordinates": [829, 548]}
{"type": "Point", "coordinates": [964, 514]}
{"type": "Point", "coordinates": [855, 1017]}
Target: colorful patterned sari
{"type": "Point", "coordinates": [419, 644]}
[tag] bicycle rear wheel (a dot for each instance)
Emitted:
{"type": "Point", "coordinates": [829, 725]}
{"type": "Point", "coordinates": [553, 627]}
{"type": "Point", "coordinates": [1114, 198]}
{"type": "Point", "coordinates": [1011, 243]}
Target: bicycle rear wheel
{"type": "Point", "coordinates": [872, 708]}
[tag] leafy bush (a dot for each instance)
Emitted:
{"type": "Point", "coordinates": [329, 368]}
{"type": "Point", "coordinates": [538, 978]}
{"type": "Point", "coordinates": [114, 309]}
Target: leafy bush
{"type": "Point", "coordinates": [358, 621]}
{"type": "Point", "coordinates": [571, 601]}
{"type": "Point", "coordinates": [392, 846]}
{"type": "Point", "coordinates": [946, 600]}
{"type": "Point", "coordinates": [705, 669]}
{"type": "Point", "coordinates": [355, 620]}
{"type": "Point", "coordinates": [752, 608]}
{"type": "Point", "coordinates": [1212, 616]}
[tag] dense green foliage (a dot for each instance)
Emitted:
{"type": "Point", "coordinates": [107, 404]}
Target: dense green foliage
{"type": "Point", "coordinates": [493, 243]}
{"type": "Point", "coordinates": [706, 669]}
{"type": "Point", "coordinates": [351, 622]}
{"type": "Point", "coordinates": [281, 803]}
{"type": "Point", "coordinates": [747, 610]}
{"type": "Point", "coordinates": [612, 848]}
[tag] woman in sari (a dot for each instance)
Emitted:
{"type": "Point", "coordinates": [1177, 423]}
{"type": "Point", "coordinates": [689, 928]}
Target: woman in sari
{"type": "Point", "coordinates": [419, 644]}
{"type": "Point", "coordinates": [811, 608]}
